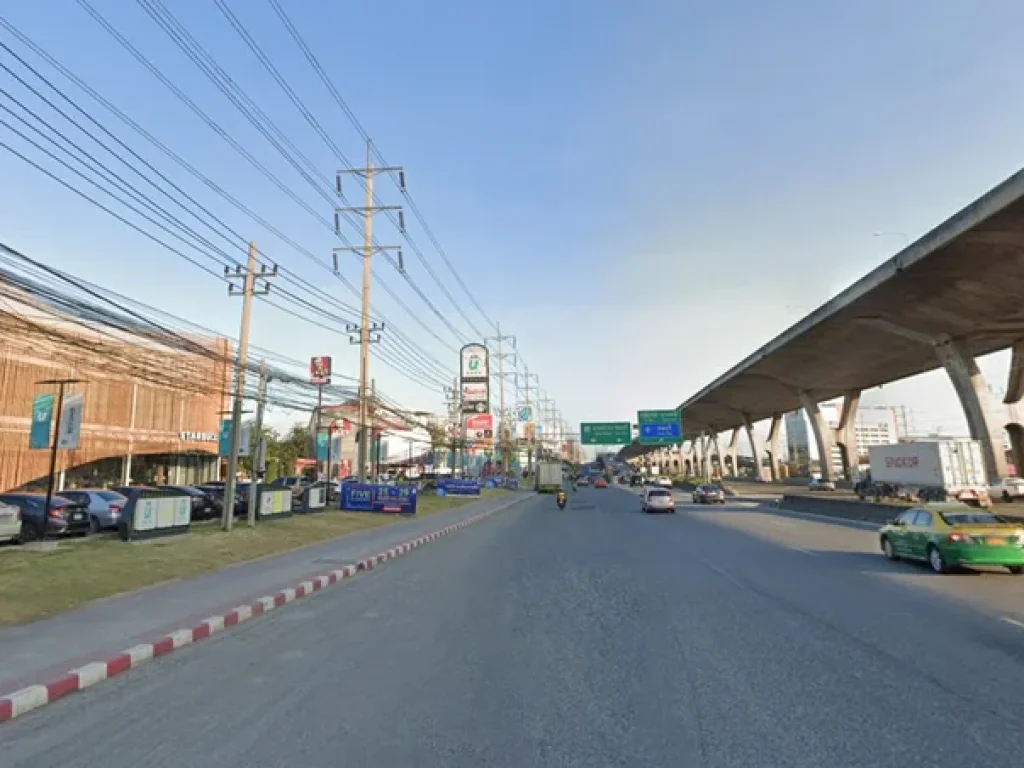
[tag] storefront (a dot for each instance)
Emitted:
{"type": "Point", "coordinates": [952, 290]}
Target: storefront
{"type": "Point", "coordinates": [152, 420]}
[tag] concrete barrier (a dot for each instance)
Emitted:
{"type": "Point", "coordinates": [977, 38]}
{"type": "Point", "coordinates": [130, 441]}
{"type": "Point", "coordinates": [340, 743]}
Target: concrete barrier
{"type": "Point", "coordinates": [848, 509]}
{"type": "Point", "coordinates": [867, 511]}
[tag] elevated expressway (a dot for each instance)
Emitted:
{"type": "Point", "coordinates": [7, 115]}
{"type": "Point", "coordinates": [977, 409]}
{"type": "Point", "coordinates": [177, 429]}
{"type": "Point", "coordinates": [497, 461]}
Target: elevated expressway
{"type": "Point", "coordinates": [941, 302]}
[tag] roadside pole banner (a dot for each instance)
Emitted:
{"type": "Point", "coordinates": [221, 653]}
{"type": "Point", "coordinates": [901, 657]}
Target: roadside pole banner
{"type": "Point", "coordinates": [42, 421]}
{"type": "Point", "coordinates": [70, 427]}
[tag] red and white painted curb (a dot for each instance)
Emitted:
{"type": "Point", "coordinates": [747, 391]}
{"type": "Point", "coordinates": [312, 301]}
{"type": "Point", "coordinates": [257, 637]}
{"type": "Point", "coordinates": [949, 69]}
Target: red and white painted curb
{"type": "Point", "coordinates": [34, 696]}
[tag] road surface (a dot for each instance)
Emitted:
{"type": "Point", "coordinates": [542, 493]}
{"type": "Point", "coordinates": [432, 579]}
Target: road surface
{"type": "Point", "coordinates": [595, 636]}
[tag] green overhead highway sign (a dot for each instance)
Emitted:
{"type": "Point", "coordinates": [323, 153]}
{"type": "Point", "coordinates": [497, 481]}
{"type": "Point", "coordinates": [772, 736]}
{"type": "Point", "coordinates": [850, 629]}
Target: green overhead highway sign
{"type": "Point", "coordinates": [606, 433]}
{"type": "Point", "coordinates": [660, 427]}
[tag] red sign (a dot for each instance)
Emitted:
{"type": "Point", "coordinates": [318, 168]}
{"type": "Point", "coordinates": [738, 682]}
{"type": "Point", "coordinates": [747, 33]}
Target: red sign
{"type": "Point", "coordinates": [320, 370]}
{"type": "Point", "coordinates": [480, 421]}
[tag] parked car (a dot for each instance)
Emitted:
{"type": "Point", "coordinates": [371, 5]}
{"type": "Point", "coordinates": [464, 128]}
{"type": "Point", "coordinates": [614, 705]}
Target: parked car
{"type": "Point", "coordinates": [65, 517]}
{"type": "Point", "coordinates": [216, 492]}
{"type": "Point", "coordinates": [105, 506]}
{"type": "Point", "coordinates": [295, 483]}
{"type": "Point", "coordinates": [1008, 489]}
{"type": "Point", "coordinates": [204, 506]}
{"type": "Point", "coordinates": [708, 494]}
{"type": "Point", "coordinates": [10, 522]}
{"type": "Point", "coordinates": [817, 484]}
{"type": "Point", "coordinates": [658, 500]}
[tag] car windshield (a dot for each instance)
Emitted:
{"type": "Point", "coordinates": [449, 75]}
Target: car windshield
{"type": "Point", "coordinates": [971, 518]}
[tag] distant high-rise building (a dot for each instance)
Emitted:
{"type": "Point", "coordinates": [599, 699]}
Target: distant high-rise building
{"type": "Point", "coordinates": [876, 425]}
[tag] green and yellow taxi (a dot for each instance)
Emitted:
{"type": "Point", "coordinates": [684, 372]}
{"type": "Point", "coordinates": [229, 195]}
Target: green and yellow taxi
{"type": "Point", "coordinates": [949, 535]}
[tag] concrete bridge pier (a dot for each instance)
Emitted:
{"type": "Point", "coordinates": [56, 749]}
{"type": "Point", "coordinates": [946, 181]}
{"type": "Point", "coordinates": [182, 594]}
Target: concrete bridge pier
{"type": "Point", "coordinates": [823, 436]}
{"type": "Point", "coordinates": [755, 446]}
{"type": "Point", "coordinates": [775, 446]}
{"type": "Point", "coordinates": [976, 401]}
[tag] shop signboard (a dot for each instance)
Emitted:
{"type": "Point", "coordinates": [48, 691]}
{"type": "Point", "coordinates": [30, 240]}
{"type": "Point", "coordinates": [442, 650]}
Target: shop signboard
{"type": "Point", "coordinates": [320, 370]}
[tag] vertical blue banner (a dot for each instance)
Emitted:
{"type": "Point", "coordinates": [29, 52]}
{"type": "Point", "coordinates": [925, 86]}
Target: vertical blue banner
{"type": "Point", "coordinates": [323, 442]}
{"type": "Point", "coordinates": [224, 439]}
{"type": "Point", "coordinates": [42, 419]}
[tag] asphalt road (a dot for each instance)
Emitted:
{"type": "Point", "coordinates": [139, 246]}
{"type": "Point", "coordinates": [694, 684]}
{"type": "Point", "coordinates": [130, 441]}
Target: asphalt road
{"type": "Point", "coordinates": [595, 636]}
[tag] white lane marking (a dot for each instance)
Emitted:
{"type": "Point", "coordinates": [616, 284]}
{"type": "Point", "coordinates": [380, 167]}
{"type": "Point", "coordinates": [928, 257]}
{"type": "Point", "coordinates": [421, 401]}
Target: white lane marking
{"type": "Point", "coordinates": [801, 549]}
{"type": "Point", "coordinates": [723, 572]}
{"type": "Point", "coordinates": [1015, 622]}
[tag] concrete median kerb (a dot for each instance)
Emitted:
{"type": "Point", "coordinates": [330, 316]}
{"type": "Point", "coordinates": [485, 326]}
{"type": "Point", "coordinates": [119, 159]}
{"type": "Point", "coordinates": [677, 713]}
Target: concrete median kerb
{"type": "Point", "coordinates": [34, 696]}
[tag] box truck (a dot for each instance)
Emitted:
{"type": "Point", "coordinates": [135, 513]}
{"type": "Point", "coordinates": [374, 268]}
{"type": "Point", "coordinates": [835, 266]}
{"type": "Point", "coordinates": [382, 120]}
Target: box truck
{"type": "Point", "coordinates": [549, 476]}
{"type": "Point", "coordinates": [929, 471]}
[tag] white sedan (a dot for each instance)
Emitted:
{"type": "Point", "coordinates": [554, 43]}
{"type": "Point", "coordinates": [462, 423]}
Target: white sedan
{"type": "Point", "coordinates": [658, 500]}
{"type": "Point", "coordinates": [1008, 489]}
{"type": "Point", "coordinates": [663, 481]}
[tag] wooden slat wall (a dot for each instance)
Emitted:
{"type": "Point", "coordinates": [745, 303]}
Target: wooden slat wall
{"type": "Point", "coordinates": [187, 396]}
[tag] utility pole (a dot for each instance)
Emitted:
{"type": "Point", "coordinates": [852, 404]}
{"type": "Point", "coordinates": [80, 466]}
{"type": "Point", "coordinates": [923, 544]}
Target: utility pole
{"type": "Point", "coordinates": [367, 330]}
{"type": "Point", "coordinates": [527, 376]}
{"type": "Point", "coordinates": [249, 278]}
{"type": "Point", "coordinates": [259, 458]}
{"type": "Point", "coordinates": [503, 437]}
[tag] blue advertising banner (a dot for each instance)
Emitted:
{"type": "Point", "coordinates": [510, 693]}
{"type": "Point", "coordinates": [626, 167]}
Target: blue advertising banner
{"type": "Point", "coordinates": [42, 419]}
{"type": "Point", "coordinates": [323, 443]}
{"type": "Point", "coordinates": [366, 497]}
{"type": "Point", "coordinates": [224, 439]}
{"type": "Point", "coordinates": [458, 487]}
{"type": "Point", "coordinates": [512, 483]}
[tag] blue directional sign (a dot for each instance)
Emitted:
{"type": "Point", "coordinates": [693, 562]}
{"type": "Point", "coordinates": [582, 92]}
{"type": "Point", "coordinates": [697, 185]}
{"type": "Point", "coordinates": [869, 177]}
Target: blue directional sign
{"type": "Point", "coordinates": [659, 427]}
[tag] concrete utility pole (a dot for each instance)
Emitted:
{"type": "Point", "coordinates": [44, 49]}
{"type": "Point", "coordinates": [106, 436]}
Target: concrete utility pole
{"type": "Point", "coordinates": [259, 458]}
{"type": "Point", "coordinates": [527, 376]}
{"type": "Point", "coordinates": [503, 436]}
{"type": "Point", "coordinates": [368, 332]}
{"type": "Point", "coordinates": [249, 277]}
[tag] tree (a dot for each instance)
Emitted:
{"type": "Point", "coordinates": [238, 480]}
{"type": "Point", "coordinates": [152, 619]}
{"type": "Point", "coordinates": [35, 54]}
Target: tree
{"type": "Point", "coordinates": [282, 451]}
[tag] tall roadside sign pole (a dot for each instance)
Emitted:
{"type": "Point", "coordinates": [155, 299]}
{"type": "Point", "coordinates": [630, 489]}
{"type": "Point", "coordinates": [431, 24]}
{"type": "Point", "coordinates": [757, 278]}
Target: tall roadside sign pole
{"type": "Point", "coordinates": [249, 277]}
{"type": "Point", "coordinates": [367, 331]}
{"type": "Point", "coordinates": [64, 435]}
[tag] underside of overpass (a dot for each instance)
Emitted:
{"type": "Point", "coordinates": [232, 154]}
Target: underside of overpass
{"type": "Point", "coordinates": [952, 296]}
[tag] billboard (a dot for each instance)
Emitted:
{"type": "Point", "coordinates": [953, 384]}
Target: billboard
{"type": "Point", "coordinates": [479, 428]}
{"type": "Point", "coordinates": [474, 392]}
{"type": "Point", "coordinates": [474, 362]}
{"type": "Point", "coordinates": [320, 370]}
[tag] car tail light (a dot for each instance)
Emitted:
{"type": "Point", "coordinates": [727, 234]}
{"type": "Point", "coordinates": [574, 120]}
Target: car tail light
{"type": "Point", "coordinates": [56, 513]}
{"type": "Point", "coordinates": [959, 538]}
{"type": "Point", "coordinates": [115, 509]}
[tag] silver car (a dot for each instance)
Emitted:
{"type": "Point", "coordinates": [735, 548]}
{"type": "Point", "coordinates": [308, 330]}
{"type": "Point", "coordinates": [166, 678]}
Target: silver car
{"type": "Point", "coordinates": [10, 522]}
{"type": "Point", "coordinates": [658, 500]}
{"type": "Point", "coordinates": [105, 507]}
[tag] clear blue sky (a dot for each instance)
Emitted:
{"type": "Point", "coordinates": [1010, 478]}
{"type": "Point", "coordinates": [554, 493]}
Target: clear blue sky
{"type": "Point", "coordinates": [642, 192]}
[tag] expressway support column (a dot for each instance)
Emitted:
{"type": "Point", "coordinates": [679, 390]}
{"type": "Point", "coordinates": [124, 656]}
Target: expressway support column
{"type": "Point", "coordinates": [718, 451]}
{"type": "Point", "coordinates": [709, 457]}
{"type": "Point", "coordinates": [846, 434]}
{"type": "Point", "coordinates": [823, 437]}
{"type": "Point", "coordinates": [733, 450]}
{"type": "Point", "coordinates": [755, 446]}
{"type": "Point", "coordinates": [975, 399]}
{"type": "Point", "coordinates": [775, 446]}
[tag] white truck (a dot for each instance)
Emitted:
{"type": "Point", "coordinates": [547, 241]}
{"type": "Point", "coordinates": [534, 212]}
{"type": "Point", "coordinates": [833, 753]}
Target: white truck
{"type": "Point", "coordinates": [549, 477]}
{"type": "Point", "coordinates": [929, 471]}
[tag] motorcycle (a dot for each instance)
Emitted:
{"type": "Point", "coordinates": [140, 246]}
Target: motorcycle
{"type": "Point", "coordinates": [560, 499]}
